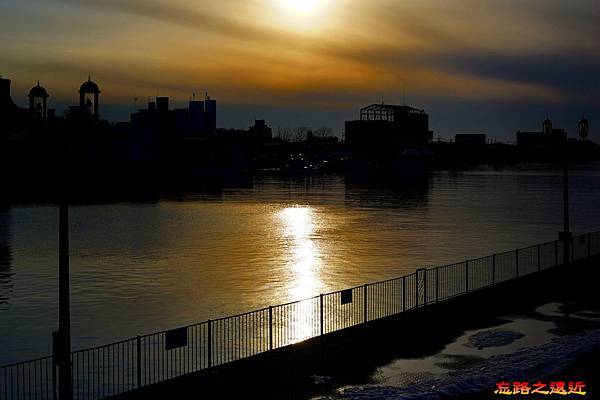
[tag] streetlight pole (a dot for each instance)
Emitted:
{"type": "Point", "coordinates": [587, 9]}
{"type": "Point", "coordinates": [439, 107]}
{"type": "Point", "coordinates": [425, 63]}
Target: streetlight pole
{"type": "Point", "coordinates": [65, 386]}
{"type": "Point", "coordinates": [566, 229]}
{"type": "Point", "coordinates": [565, 236]}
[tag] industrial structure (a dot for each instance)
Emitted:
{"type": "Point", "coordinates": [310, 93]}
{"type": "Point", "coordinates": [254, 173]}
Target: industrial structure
{"type": "Point", "coordinates": [384, 126]}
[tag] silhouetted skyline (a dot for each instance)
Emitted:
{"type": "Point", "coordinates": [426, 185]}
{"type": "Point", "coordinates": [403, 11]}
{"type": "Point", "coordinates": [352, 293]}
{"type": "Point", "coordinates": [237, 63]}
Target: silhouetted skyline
{"type": "Point", "coordinates": [495, 67]}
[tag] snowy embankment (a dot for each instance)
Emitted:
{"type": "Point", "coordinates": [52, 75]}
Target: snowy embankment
{"type": "Point", "coordinates": [494, 338]}
{"type": "Point", "coordinates": [528, 364]}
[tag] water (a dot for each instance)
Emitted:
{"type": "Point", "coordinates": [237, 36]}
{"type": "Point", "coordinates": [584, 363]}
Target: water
{"type": "Point", "coordinates": [138, 268]}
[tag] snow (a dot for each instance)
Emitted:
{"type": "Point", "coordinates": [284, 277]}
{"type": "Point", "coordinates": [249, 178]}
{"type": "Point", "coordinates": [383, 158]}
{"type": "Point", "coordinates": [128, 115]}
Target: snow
{"type": "Point", "coordinates": [493, 338]}
{"type": "Point", "coordinates": [527, 364]}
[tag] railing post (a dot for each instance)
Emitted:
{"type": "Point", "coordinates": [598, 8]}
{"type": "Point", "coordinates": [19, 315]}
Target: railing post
{"type": "Point", "coordinates": [365, 316]}
{"type": "Point", "coordinates": [209, 322]}
{"type": "Point", "coordinates": [437, 284]}
{"type": "Point", "coordinates": [467, 276]}
{"type": "Point", "coordinates": [493, 269]}
{"type": "Point", "coordinates": [139, 361]}
{"type": "Point", "coordinates": [425, 286]}
{"type": "Point", "coordinates": [270, 327]}
{"type": "Point", "coordinates": [55, 344]}
{"type": "Point", "coordinates": [589, 244]}
{"type": "Point", "coordinates": [404, 293]}
{"type": "Point", "coordinates": [517, 262]}
{"type": "Point", "coordinates": [417, 289]}
{"type": "Point", "coordinates": [538, 257]}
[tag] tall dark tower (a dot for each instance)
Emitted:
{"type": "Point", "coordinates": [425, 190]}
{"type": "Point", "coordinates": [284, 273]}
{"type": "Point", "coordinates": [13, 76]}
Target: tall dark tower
{"type": "Point", "coordinates": [210, 116]}
{"type": "Point", "coordinates": [87, 91]}
{"type": "Point", "coordinates": [584, 128]}
{"type": "Point", "coordinates": [12, 117]}
{"type": "Point", "coordinates": [547, 126]}
{"type": "Point", "coordinates": [38, 101]}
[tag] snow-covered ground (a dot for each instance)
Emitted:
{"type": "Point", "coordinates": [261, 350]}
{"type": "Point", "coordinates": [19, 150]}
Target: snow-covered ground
{"type": "Point", "coordinates": [494, 338]}
{"type": "Point", "coordinates": [524, 347]}
{"type": "Point", "coordinates": [528, 364]}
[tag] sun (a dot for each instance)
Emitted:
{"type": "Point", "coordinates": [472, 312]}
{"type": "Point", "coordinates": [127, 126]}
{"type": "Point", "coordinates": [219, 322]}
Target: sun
{"type": "Point", "coordinates": [304, 7]}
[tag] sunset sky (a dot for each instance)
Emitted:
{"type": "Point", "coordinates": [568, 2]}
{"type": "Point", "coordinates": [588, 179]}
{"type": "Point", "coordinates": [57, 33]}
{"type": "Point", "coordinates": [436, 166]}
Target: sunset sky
{"type": "Point", "coordinates": [491, 66]}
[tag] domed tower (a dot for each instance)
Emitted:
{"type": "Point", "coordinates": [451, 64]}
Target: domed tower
{"type": "Point", "coordinates": [547, 126]}
{"type": "Point", "coordinates": [89, 94]}
{"type": "Point", "coordinates": [38, 101]}
{"type": "Point", "coordinates": [584, 128]}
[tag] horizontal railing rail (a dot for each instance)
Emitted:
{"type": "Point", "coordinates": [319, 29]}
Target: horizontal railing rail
{"type": "Point", "coordinates": [129, 364]}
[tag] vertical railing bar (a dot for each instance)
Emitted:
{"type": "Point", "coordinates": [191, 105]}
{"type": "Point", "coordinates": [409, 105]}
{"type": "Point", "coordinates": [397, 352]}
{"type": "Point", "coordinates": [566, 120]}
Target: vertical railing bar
{"type": "Point", "coordinates": [139, 361]}
{"type": "Point", "coordinates": [404, 293]}
{"type": "Point", "coordinates": [321, 313]}
{"type": "Point", "coordinates": [270, 327]}
{"type": "Point", "coordinates": [437, 284]}
{"type": "Point", "coordinates": [425, 286]}
{"type": "Point", "coordinates": [467, 276]}
{"type": "Point", "coordinates": [209, 345]}
{"type": "Point", "coordinates": [517, 262]}
{"type": "Point", "coordinates": [365, 316]}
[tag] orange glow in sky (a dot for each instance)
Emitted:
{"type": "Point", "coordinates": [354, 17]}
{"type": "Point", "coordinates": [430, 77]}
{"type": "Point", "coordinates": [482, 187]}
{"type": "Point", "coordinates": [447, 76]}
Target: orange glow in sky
{"type": "Point", "coordinates": [310, 53]}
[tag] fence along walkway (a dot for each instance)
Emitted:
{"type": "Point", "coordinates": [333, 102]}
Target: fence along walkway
{"type": "Point", "coordinates": [129, 364]}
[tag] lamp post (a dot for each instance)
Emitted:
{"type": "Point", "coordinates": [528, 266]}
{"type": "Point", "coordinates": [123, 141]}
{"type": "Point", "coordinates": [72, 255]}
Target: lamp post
{"type": "Point", "coordinates": [565, 235]}
{"type": "Point", "coordinates": [65, 387]}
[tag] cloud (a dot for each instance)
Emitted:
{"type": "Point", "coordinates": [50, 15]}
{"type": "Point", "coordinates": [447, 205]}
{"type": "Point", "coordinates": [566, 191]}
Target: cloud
{"type": "Point", "coordinates": [542, 51]}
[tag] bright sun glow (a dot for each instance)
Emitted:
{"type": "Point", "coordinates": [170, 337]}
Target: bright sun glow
{"type": "Point", "coordinates": [303, 6]}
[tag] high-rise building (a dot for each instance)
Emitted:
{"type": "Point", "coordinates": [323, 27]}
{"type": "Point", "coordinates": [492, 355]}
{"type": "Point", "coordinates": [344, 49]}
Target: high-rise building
{"type": "Point", "coordinates": [196, 118]}
{"type": "Point", "coordinates": [162, 104]}
{"type": "Point", "coordinates": [210, 117]}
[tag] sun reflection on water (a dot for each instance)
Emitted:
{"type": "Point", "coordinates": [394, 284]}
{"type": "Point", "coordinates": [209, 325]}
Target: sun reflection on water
{"type": "Point", "coordinates": [304, 262]}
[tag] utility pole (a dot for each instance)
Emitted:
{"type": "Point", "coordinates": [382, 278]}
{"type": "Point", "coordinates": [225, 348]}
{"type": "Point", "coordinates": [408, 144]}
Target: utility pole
{"type": "Point", "coordinates": [65, 387]}
{"type": "Point", "coordinates": [565, 235]}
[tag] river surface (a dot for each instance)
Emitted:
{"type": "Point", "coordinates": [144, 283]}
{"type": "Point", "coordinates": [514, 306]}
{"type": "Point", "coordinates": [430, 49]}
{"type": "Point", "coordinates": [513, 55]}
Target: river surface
{"type": "Point", "coordinates": [143, 267]}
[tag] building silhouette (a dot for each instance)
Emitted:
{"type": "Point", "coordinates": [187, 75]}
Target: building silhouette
{"type": "Point", "coordinates": [388, 126]}
{"type": "Point", "coordinates": [12, 117]}
{"type": "Point", "coordinates": [548, 137]}
{"type": "Point", "coordinates": [584, 128]}
{"type": "Point", "coordinates": [196, 118]}
{"type": "Point", "coordinates": [260, 132]}
{"type": "Point", "coordinates": [470, 139]}
{"type": "Point", "coordinates": [89, 98]}
{"type": "Point", "coordinates": [38, 101]}
{"type": "Point", "coordinates": [210, 116]}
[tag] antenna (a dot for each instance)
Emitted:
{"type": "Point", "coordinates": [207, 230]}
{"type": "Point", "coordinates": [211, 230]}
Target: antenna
{"type": "Point", "coordinates": [135, 99]}
{"type": "Point", "coordinates": [193, 96]}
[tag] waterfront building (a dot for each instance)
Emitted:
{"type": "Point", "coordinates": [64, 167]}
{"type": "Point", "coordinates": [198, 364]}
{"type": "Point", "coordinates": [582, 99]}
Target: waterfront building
{"type": "Point", "coordinates": [388, 126]}
{"type": "Point", "coordinates": [38, 101]}
{"type": "Point", "coordinates": [12, 117]}
{"type": "Point", "coordinates": [260, 132]}
{"type": "Point", "coordinates": [89, 98]}
{"type": "Point", "coordinates": [470, 139]}
{"type": "Point", "coordinates": [210, 116]}
{"type": "Point", "coordinates": [548, 137]}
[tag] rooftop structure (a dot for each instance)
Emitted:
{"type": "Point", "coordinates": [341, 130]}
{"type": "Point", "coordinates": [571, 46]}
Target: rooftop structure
{"type": "Point", "coordinates": [389, 128]}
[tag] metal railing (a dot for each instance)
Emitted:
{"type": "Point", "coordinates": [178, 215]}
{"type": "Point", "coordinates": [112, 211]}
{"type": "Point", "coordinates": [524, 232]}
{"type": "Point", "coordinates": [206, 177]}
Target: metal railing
{"type": "Point", "coordinates": [123, 366]}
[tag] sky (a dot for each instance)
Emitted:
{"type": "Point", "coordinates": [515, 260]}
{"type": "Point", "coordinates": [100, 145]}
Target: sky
{"type": "Point", "coordinates": [476, 66]}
